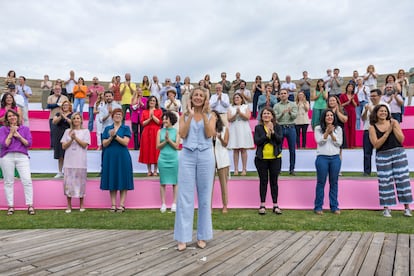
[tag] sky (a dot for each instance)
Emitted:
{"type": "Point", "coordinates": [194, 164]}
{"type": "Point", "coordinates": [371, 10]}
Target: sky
{"type": "Point", "coordinates": [192, 38]}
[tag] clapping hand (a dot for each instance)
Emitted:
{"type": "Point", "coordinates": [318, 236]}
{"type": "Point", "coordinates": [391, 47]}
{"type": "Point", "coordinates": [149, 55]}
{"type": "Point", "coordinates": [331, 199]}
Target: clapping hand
{"type": "Point", "coordinates": [72, 134]}
{"type": "Point", "coordinates": [14, 132]}
{"type": "Point", "coordinates": [112, 132]}
{"type": "Point", "coordinates": [206, 106]}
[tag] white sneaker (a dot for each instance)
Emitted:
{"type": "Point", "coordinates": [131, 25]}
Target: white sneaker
{"type": "Point", "coordinates": [387, 213]}
{"type": "Point", "coordinates": [173, 208]}
{"type": "Point", "coordinates": [68, 211]}
{"type": "Point", "coordinates": [59, 175]}
{"type": "Point", "coordinates": [407, 213]}
{"type": "Point", "coordinates": [163, 208]}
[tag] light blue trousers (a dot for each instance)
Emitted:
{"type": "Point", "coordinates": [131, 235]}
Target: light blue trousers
{"type": "Point", "coordinates": [196, 170]}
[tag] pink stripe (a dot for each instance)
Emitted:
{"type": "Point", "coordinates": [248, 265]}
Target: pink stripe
{"type": "Point", "coordinates": [294, 193]}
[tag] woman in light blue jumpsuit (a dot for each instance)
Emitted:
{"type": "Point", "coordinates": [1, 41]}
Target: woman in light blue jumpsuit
{"type": "Point", "coordinates": [195, 170]}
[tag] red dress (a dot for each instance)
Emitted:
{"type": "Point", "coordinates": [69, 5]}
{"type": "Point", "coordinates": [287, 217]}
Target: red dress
{"type": "Point", "coordinates": [149, 153]}
{"type": "Point", "coordinates": [350, 125]}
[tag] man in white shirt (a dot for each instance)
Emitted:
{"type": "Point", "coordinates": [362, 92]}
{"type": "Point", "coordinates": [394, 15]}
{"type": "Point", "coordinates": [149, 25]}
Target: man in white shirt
{"type": "Point", "coordinates": [163, 92]}
{"type": "Point", "coordinates": [155, 87]}
{"type": "Point", "coordinates": [70, 84]}
{"type": "Point", "coordinates": [327, 80]}
{"type": "Point", "coordinates": [290, 87]}
{"type": "Point", "coordinates": [105, 113]}
{"type": "Point", "coordinates": [220, 102]}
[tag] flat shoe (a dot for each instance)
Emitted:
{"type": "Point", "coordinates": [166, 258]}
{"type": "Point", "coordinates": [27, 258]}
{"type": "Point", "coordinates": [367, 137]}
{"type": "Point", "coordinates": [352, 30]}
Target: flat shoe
{"type": "Point", "coordinates": [262, 210]}
{"type": "Point", "coordinates": [277, 210]}
{"type": "Point", "coordinates": [201, 244]}
{"type": "Point", "coordinates": [82, 210]}
{"type": "Point", "coordinates": [31, 211]}
{"type": "Point", "coordinates": [68, 211]}
{"type": "Point", "coordinates": [10, 211]}
{"type": "Point", "coordinates": [181, 246]}
{"type": "Point", "coordinates": [319, 213]}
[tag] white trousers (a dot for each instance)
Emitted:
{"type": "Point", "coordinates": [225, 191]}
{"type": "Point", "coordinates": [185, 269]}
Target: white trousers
{"type": "Point", "coordinates": [9, 163]}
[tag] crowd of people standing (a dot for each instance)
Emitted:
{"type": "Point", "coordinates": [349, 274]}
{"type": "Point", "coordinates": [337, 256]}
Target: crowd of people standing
{"type": "Point", "coordinates": [207, 124]}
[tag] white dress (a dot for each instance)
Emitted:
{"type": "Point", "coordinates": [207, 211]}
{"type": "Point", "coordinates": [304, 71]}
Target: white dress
{"type": "Point", "coordinates": [240, 133]}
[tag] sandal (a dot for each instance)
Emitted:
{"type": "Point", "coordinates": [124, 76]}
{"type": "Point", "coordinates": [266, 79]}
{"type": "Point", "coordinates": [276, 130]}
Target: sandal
{"type": "Point", "coordinates": [155, 174]}
{"type": "Point", "coordinates": [262, 210]}
{"type": "Point", "coordinates": [31, 211]}
{"type": "Point", "coordinates": [10, 211]}
{"type": "Point", "coordinates": [149, 174]}
{"type": "Point", "coordinates": [113, 209]}
{"type": "Point", "coordinates": [277, 210]}
{"type": "Point", "coordinates": [120, 209]}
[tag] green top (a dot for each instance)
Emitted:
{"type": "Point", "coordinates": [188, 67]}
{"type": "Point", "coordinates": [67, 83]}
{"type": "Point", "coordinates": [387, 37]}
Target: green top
{"type": "Point", "coordinates": [286, 118]}
{"type": "Point", "coordinates": [320, 102]}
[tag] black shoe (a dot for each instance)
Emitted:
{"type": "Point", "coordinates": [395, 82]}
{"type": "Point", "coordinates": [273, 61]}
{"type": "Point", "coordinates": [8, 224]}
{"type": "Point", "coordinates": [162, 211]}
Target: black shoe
{"type": "Point", "coordinates": [366, 174]}
{"type": "Point", "coordinates": [292, 173]}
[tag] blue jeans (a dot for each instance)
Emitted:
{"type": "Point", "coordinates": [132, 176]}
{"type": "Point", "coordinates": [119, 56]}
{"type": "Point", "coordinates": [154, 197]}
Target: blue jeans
{"type": "Point", "coordinates": [358, 110]}
{"type": "Point", "coordinates": [289, 132]}
{"type": "Point", "coordinates": [78, 103]}
{"type": "Point", "coordinates": [91, 118]}
{"type": "Point", "coordinates": [397, 116]}
{"type": "Point", "coordinates": [325, 165]}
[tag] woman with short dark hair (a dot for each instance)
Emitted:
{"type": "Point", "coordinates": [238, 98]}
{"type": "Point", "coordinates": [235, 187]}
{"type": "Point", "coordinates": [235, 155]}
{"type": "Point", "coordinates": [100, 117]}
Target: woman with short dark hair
{"type": "Point", "coordinates": [116, 162]}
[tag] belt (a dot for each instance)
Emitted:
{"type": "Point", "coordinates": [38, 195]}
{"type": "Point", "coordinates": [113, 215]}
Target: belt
{"type": "Point", "coordinates": [223, 113]}
{"type": "Point", "coordinates": [287, 126]}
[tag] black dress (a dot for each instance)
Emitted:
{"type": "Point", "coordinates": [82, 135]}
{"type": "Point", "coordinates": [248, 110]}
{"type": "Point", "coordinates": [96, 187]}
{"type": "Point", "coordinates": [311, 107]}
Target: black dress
{"type": "Point", "coordinates": [57, 134]}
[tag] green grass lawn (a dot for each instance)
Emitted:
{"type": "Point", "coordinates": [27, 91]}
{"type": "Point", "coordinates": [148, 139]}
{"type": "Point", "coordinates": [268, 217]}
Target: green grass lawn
{"type": "Point", "coordinates": [236, 219]}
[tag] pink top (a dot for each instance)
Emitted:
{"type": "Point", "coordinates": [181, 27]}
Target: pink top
{"type": "Point", "coordinates": [75, 155]}
{"type": "Point", "coordinates": [3, 113]}
{"type": "Point", "coordinates": [93, 96]}
{"type": "Point", "coordinates": [137, 110]}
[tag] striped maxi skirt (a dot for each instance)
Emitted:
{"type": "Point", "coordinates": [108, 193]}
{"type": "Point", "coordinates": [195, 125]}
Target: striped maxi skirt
{"type": "Point", "coordinates": [393, 172]}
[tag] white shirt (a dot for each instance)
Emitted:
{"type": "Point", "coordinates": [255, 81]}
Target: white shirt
{"type": "Point", "coordinates": [155, 90]}
{"type": "Point", "coordinates": [362, 93]}
{"type": "Point", "coordinates": [289, 86]}
{"type": "Point", "coordinates": [328, 146]}
{"type": "Point", "coordinates": [69, 86]}
{"type": "Point", "coordinates": [220, 105]}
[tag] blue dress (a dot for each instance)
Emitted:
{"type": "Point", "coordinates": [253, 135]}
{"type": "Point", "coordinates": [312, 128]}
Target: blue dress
{"type": "Point", "coordinates": [168, 159]}
{"type": "Point", "coordinates": [116, 163]}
